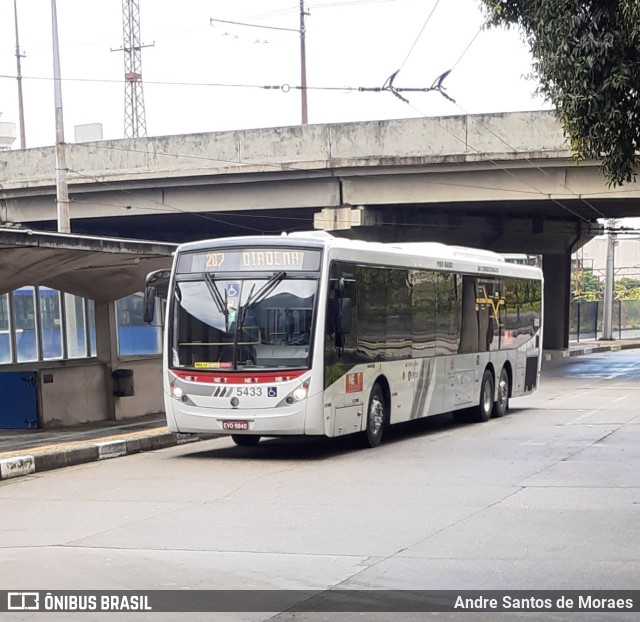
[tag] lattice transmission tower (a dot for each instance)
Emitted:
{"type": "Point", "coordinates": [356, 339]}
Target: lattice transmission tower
{"type": "Point", "coordinates": [135, 122]}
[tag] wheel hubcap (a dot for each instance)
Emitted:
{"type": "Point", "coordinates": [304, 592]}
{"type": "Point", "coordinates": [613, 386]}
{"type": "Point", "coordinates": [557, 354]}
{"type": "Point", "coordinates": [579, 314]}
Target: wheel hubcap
{"type": "Point", "coordinates": [503, 392]}
{"type": "Point", "coordinates": [376, 416]}
{"type": "Point", "coordinates": [488, 398]}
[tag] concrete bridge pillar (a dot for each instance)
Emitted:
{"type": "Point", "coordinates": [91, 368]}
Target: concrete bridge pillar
{"type": "Point", "coordinates": [337, 218]}
{"type": "Point", "coordinates": [557, 295]}
{"type": "Point", "coordinates": [347, 217]}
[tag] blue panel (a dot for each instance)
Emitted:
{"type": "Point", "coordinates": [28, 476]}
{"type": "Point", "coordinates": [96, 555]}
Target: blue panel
{"type": "Point", "coordinates": [19, 405]}
{"type": "Point", "coordinates": [137, 340]}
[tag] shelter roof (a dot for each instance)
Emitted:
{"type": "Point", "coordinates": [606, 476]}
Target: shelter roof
{"type": "Point", "coordinates": [98, 268]}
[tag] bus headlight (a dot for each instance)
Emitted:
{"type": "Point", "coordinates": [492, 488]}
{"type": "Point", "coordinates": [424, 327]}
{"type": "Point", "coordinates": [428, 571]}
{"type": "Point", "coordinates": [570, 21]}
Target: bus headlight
{"type": "Point", "coordinates": [177, 393]}
{"type": "Point", "coordinates": [300, 393]}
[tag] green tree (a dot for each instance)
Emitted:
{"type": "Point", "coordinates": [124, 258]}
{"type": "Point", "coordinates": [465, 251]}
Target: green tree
{"type": "Point", "coordinates": [587, 60]}
{"type": "Point", "coordinates": [627, 289]}
{"type": "Point", "coordinates": [585, 286]}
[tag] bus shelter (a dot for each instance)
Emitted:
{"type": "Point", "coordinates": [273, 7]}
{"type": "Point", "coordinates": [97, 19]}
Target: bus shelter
{"type": "Point", "coordinates": [73, 347]}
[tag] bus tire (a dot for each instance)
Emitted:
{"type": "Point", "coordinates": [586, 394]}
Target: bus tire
{"type": "Point", "coordinates": [482, 412]}
{"type": "Point", "coordinates": [245, 440]}
{"type": "Point", "coordinates": [377, 417]}
{"type": "Point", "coordinates": [502, 402]}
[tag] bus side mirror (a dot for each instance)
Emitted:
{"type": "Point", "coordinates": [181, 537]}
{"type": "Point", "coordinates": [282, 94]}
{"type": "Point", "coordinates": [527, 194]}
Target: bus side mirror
{"type": "Point", "coordinates": [345, 315]}
{"type": "Point", "coordinates": [150, 294]}
{"type": "Point", "coordinates": [331, 317]}
{"type": "Point", "coordinates": [342, 320]}
{"type": "Point", "coordinates": [339, 310]}
{"type": "Point", "coordinates": [157, 284]}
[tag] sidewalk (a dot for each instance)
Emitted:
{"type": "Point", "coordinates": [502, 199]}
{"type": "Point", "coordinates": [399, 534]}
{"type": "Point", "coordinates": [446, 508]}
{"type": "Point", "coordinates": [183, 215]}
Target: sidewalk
{"type": "Point", "coordinates": [589, 347]}
{"type": "Point", "coordinates": [23, 452]}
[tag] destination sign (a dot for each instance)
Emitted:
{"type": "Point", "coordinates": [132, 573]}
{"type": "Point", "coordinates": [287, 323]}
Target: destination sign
{"type": "Point", "coordinates": [249, 260]}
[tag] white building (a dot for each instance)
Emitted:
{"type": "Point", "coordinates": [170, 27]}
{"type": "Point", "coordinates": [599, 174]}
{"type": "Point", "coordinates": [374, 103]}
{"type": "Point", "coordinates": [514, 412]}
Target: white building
{"type": "Point", "coordinates": [593, 256]}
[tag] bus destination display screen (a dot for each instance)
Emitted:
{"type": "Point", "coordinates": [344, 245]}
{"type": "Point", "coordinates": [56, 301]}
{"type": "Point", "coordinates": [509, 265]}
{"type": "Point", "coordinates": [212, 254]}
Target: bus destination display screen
{"type": "Point", "coordinates": [249, 260]}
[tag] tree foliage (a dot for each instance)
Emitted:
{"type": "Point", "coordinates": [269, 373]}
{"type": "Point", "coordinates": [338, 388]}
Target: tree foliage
{"type": "Point", "coordinates": [586, 287]}
{"type": "Point", "coordinates": [587, 60]}
{"type": "Point", "coordinates": [627, 289]}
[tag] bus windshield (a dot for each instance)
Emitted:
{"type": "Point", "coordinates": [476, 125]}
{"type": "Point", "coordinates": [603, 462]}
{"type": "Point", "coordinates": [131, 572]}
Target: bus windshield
{"type": "Point", "coordinates": [236, 324]}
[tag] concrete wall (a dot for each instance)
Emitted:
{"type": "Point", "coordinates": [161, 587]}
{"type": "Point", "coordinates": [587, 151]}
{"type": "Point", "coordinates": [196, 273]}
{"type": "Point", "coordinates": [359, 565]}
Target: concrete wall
{"type": "Point", "coordinates": [75, 394]}
{"type": "Point", "coordinates": [147, 382]}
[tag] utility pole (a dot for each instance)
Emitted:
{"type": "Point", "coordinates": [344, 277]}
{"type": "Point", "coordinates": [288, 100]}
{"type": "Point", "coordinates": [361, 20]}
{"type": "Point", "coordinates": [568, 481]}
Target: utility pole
{"type": "Point", "coordinates": [135, 121]}
{"type": "Point", "coordinates": [23, 140]}
{"type": "Point", "coordinates": [607, 314]}
{"type": "Point", "coordinates": [303, 64]}
{"type": "Point", "coordinates": [62, 191]}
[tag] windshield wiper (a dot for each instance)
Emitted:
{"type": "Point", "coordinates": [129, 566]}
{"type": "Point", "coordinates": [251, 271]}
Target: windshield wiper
{"type": "Point", "coordinates": [261, 294]}
{"type": "Point", "coordinates": [221, 303]}
{"type": "Point", "coordinates": [252, 301]}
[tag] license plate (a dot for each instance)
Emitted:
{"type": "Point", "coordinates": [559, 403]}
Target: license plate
{"type": "Point", "coordinates": [235, 425]}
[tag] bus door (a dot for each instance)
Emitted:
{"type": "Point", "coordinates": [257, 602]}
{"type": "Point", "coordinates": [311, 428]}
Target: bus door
{"type": "Point", "coordinates": [344, 383]}
{"type": "Point", "coordinates": [464, 369]}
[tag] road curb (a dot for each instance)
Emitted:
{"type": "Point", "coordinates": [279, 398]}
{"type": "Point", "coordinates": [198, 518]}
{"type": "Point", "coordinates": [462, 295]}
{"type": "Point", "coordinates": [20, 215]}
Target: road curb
{"type": "Point", "coordinates": [59, 457]}
{"type": "Point", "coordinates": [558, 355]}
{"type": "Point", "coordinates": [17, 466]}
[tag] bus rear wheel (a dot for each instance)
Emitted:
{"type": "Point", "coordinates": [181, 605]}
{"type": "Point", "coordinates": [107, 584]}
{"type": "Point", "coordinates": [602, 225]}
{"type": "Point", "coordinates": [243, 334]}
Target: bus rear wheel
{"type": "Point", "coordinates": [482, 412]}
{"type": "Point", "coordinates": [245, 440]}
{"type": "Point", "coordinates": [376, 417]}
{"type": "Point", "coordinates": [502, 402]}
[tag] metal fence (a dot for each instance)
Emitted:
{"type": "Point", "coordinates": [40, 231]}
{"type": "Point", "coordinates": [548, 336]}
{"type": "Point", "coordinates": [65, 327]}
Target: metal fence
{"type": "Point", "coordinates": [585, 320]}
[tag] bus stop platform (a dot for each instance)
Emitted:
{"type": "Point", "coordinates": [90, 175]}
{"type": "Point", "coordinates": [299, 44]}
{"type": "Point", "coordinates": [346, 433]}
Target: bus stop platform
{"type": "Point", "coordinates": [23, 452]}
{"type": "Point", "coordinates": [589, 347]}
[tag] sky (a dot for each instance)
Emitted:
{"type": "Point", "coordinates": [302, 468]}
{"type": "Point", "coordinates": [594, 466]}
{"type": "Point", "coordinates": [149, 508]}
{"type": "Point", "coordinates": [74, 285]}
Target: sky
{"type": "Point", "coordinates": [349, 43]}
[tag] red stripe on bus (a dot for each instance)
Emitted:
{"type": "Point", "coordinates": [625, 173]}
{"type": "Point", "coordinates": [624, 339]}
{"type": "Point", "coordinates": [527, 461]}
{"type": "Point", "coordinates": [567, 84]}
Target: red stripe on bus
{"type": "Point", "coordinates": [239, 377]}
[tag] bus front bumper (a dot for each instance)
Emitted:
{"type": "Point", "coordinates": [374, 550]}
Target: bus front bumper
{"type": "Point", "coordinates": [291, 420]}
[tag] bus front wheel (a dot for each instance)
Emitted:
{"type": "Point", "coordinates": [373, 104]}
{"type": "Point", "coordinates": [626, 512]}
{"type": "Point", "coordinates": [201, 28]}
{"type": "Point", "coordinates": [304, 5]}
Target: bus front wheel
{"type": "Point", "coordinates": [376, 417]}
{"type": "Point", "coordinates": [245, 440]}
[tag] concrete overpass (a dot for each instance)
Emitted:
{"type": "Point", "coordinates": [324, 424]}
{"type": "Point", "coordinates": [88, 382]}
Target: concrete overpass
{"type": "Point", "coordinates": [503, 181]}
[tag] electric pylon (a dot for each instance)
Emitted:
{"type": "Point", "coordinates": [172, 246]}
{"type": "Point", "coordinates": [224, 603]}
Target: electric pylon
{"type": "Point", "coordinates": [135, 123]}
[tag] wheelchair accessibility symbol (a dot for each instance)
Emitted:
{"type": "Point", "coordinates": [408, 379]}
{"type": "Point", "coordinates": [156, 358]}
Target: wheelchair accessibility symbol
{"type": "Point", "coordinates": [233, 290]}
{"type": "Point", "coordinates": [272, 391]}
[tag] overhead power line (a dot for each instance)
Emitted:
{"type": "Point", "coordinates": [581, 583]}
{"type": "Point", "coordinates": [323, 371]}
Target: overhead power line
{"type": "Point", "coordinates": [227, 21]}
{"type": "Point", "coordinates": [424, 26]}
{"type": "Point", "coordinates": [285, 88]}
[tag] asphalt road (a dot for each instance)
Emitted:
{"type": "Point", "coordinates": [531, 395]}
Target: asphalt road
{"type": "Point", "coordinates": [546, 498]}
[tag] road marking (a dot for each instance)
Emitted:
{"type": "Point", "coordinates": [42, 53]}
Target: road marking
{"type": "Point", "coordinates": [581, 417]}
{"type": "Point", "coordinates": [618, 399]}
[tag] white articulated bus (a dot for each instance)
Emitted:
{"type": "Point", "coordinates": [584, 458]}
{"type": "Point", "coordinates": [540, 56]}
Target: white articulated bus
{"type": "Point", "coordinates": [308, 334]}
